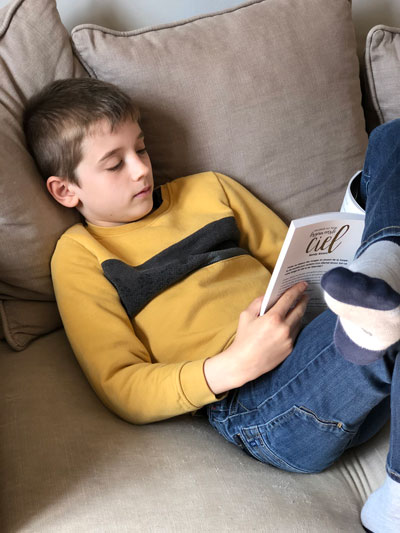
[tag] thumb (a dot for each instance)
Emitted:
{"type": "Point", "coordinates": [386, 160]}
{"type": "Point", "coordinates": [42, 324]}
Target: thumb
{"type": "Point", "coordinates": [254, 308]}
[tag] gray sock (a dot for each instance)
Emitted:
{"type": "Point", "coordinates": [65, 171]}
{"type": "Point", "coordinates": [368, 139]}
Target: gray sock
{"type": "Point", "coordinates": [366, 298]}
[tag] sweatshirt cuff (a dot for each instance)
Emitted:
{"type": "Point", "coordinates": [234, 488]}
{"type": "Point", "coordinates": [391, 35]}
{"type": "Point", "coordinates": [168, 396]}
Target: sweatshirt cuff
{"type": "Point", "coordinates": [194, 384]}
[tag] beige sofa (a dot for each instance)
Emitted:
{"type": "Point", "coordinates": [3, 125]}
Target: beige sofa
{"type": "Point", "coordinates": [268, 93]}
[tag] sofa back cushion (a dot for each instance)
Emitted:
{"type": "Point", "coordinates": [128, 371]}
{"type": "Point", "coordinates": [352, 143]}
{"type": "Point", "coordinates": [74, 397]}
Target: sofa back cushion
{"type": "Point", "coordinates": [382, 64]}
{"type": "Point", "coordinates": [267, 92]}
{"type": "Point", "coordinates": [34, 50]}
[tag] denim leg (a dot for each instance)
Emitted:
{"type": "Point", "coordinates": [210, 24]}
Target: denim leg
{"type": "Point", "coordinates": [393, 460]}
{"type": "Point", "coordinates": [305, 413]}
{"type": "Point", "coordinates": [380, 185]}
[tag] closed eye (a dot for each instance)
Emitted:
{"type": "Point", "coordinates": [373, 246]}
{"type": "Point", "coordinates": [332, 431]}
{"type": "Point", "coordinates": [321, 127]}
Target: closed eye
{"type": "Point", "coordinates": [116, 167]}
{"type": "Point", "coordinates": [142, 151]}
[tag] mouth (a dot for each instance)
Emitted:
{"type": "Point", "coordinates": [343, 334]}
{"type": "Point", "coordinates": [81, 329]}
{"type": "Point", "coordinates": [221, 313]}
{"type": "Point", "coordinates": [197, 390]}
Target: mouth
{"type": "Point", "coordinates": [144, 192]}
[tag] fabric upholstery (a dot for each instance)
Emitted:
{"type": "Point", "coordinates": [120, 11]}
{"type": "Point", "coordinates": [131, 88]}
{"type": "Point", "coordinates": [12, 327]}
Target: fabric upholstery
{"type": "Point", "coordinates": [74, 466]}
{"type": "Point", "coordinates": [382, 58]}
{"type": "Point", "coordinates": [34, 50]}
{"type": "Point", "coordinates": [67, 463]}
{"type": "Point", "coordinates": [281, 91]}
{"type": "Point", "coordinates": [259, 92]}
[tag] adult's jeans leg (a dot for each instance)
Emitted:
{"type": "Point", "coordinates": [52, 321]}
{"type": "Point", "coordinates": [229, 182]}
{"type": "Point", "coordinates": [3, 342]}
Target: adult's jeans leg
{"type": "Point", "coordinates": [393, 460]}
{"type": "Point", "coordinates": [380, 185]}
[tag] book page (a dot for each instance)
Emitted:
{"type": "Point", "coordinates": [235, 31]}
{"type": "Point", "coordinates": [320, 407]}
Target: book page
{"type": "Point", "coordinates": [313, 246]}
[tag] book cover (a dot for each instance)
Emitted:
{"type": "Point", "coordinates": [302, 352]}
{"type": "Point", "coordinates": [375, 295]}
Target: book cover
{"type": "Point", "coordinates": [314, 245]}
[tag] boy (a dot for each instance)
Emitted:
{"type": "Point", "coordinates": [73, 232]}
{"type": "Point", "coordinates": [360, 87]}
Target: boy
{"type": "Point", "coordinates": [152, 286]}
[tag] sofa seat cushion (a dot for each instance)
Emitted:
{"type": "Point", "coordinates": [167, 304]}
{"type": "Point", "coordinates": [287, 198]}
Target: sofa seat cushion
{"type": "Point", "coordinates": [71, 465]}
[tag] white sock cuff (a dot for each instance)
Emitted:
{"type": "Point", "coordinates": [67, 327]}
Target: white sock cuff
{"type": "Point", "coordinates": [380, 260]}
{"type": "Point", "coordinates": [393, 486]}
{"type": "Point", "coordinates": [388, 250]}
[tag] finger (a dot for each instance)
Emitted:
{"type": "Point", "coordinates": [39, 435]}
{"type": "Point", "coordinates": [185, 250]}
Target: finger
{"type": "Point", "coordinates": [253, 309]}
{"type": "Point", "coordinates": [288, 298]}
{"type": "Point", "coordinates": [296, 331]}
{"type": "Point", "coordinates": [295, 315]}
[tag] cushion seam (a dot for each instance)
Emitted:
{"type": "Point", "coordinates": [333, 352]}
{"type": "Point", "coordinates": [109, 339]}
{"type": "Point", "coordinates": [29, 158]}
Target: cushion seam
{"type": "Point", "coordinates": [8, 333]}
{"type": "Point", "coordinates": [151, 29]}
{"type": "Point", "coordinates": [13, 8]}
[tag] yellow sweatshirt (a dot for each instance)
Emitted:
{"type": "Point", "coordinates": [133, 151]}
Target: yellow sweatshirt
{"type": "Point", "coordinates": [146, 303]}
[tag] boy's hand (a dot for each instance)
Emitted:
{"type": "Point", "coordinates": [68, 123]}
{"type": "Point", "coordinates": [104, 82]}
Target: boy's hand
{"type": "Point", "coordinates": [261, 342]}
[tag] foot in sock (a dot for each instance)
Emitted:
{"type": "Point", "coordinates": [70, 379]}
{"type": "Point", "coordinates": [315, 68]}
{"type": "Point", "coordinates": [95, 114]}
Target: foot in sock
{"type": "Point", "coordinates": [366, 298]}
{"type": "Point", "coordinates": [381, 512]}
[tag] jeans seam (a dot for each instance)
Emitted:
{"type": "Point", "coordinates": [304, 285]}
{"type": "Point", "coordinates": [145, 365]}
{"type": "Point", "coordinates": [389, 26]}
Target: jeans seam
{"type": "Point", "coordinates": [328, 423]}
{"type": "Point", "coordinates": [249, 411]}
{"type": "Point", "coordinates": [294, 377]}
{"type": "Point", "coordinates": [244, 407]}
{"type": "Point", "coordinates": [250, 450]}
{"type": "Point", "coordinates": [367, 179]}
{"type": "Point", "coordinates": [255, 432]}
{"type": "Point", "coordinates": [279, 460]}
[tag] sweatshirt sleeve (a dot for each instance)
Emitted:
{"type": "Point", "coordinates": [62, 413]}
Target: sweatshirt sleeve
{"type": "Point", "coordinates": [114, 360]}
{"type": "Point", "coordinates": [262, 231]}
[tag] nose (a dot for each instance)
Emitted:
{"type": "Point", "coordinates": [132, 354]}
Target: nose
{"type": "Point", "coordinates": [136, 167]}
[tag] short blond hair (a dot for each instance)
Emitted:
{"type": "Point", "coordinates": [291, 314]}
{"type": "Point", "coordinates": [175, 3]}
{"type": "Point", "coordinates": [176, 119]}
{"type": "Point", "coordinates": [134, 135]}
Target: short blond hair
{"type": "Point", "coordinates": [62, 114]}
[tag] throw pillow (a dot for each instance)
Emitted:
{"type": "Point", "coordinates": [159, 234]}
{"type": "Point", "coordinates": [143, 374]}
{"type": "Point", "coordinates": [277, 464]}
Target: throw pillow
{"type": "Point", "coordinates": [382, 55]}
{"type": "Point", "coordinates": [267, 93]}
{"type": "Point", "coordinates": [34, 50]}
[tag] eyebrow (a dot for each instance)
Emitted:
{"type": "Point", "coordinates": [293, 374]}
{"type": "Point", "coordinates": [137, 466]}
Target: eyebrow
{"type": "Point", "coordinates": [112, 152]}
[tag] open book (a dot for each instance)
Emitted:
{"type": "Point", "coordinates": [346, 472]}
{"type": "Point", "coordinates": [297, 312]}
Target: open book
{"type": "Point", "coordinates": [314, 245]}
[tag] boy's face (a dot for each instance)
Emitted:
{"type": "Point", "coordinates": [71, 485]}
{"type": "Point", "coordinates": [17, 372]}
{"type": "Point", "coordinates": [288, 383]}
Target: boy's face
{"type": "Point", "coordinates": [115, 175]}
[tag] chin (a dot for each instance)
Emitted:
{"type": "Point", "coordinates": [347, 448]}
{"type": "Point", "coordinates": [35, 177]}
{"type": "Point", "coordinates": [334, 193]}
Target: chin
{"type": "Point", "coordinates": [142, 214]}
{"type": "Point", "coordinates": [149, 209]}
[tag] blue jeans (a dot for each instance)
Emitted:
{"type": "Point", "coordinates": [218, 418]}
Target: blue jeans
{"type": "Point", "coordinates": [302, 415]}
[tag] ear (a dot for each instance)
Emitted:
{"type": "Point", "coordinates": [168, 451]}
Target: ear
{"type": "Point", "coordinates": [63, 191]}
